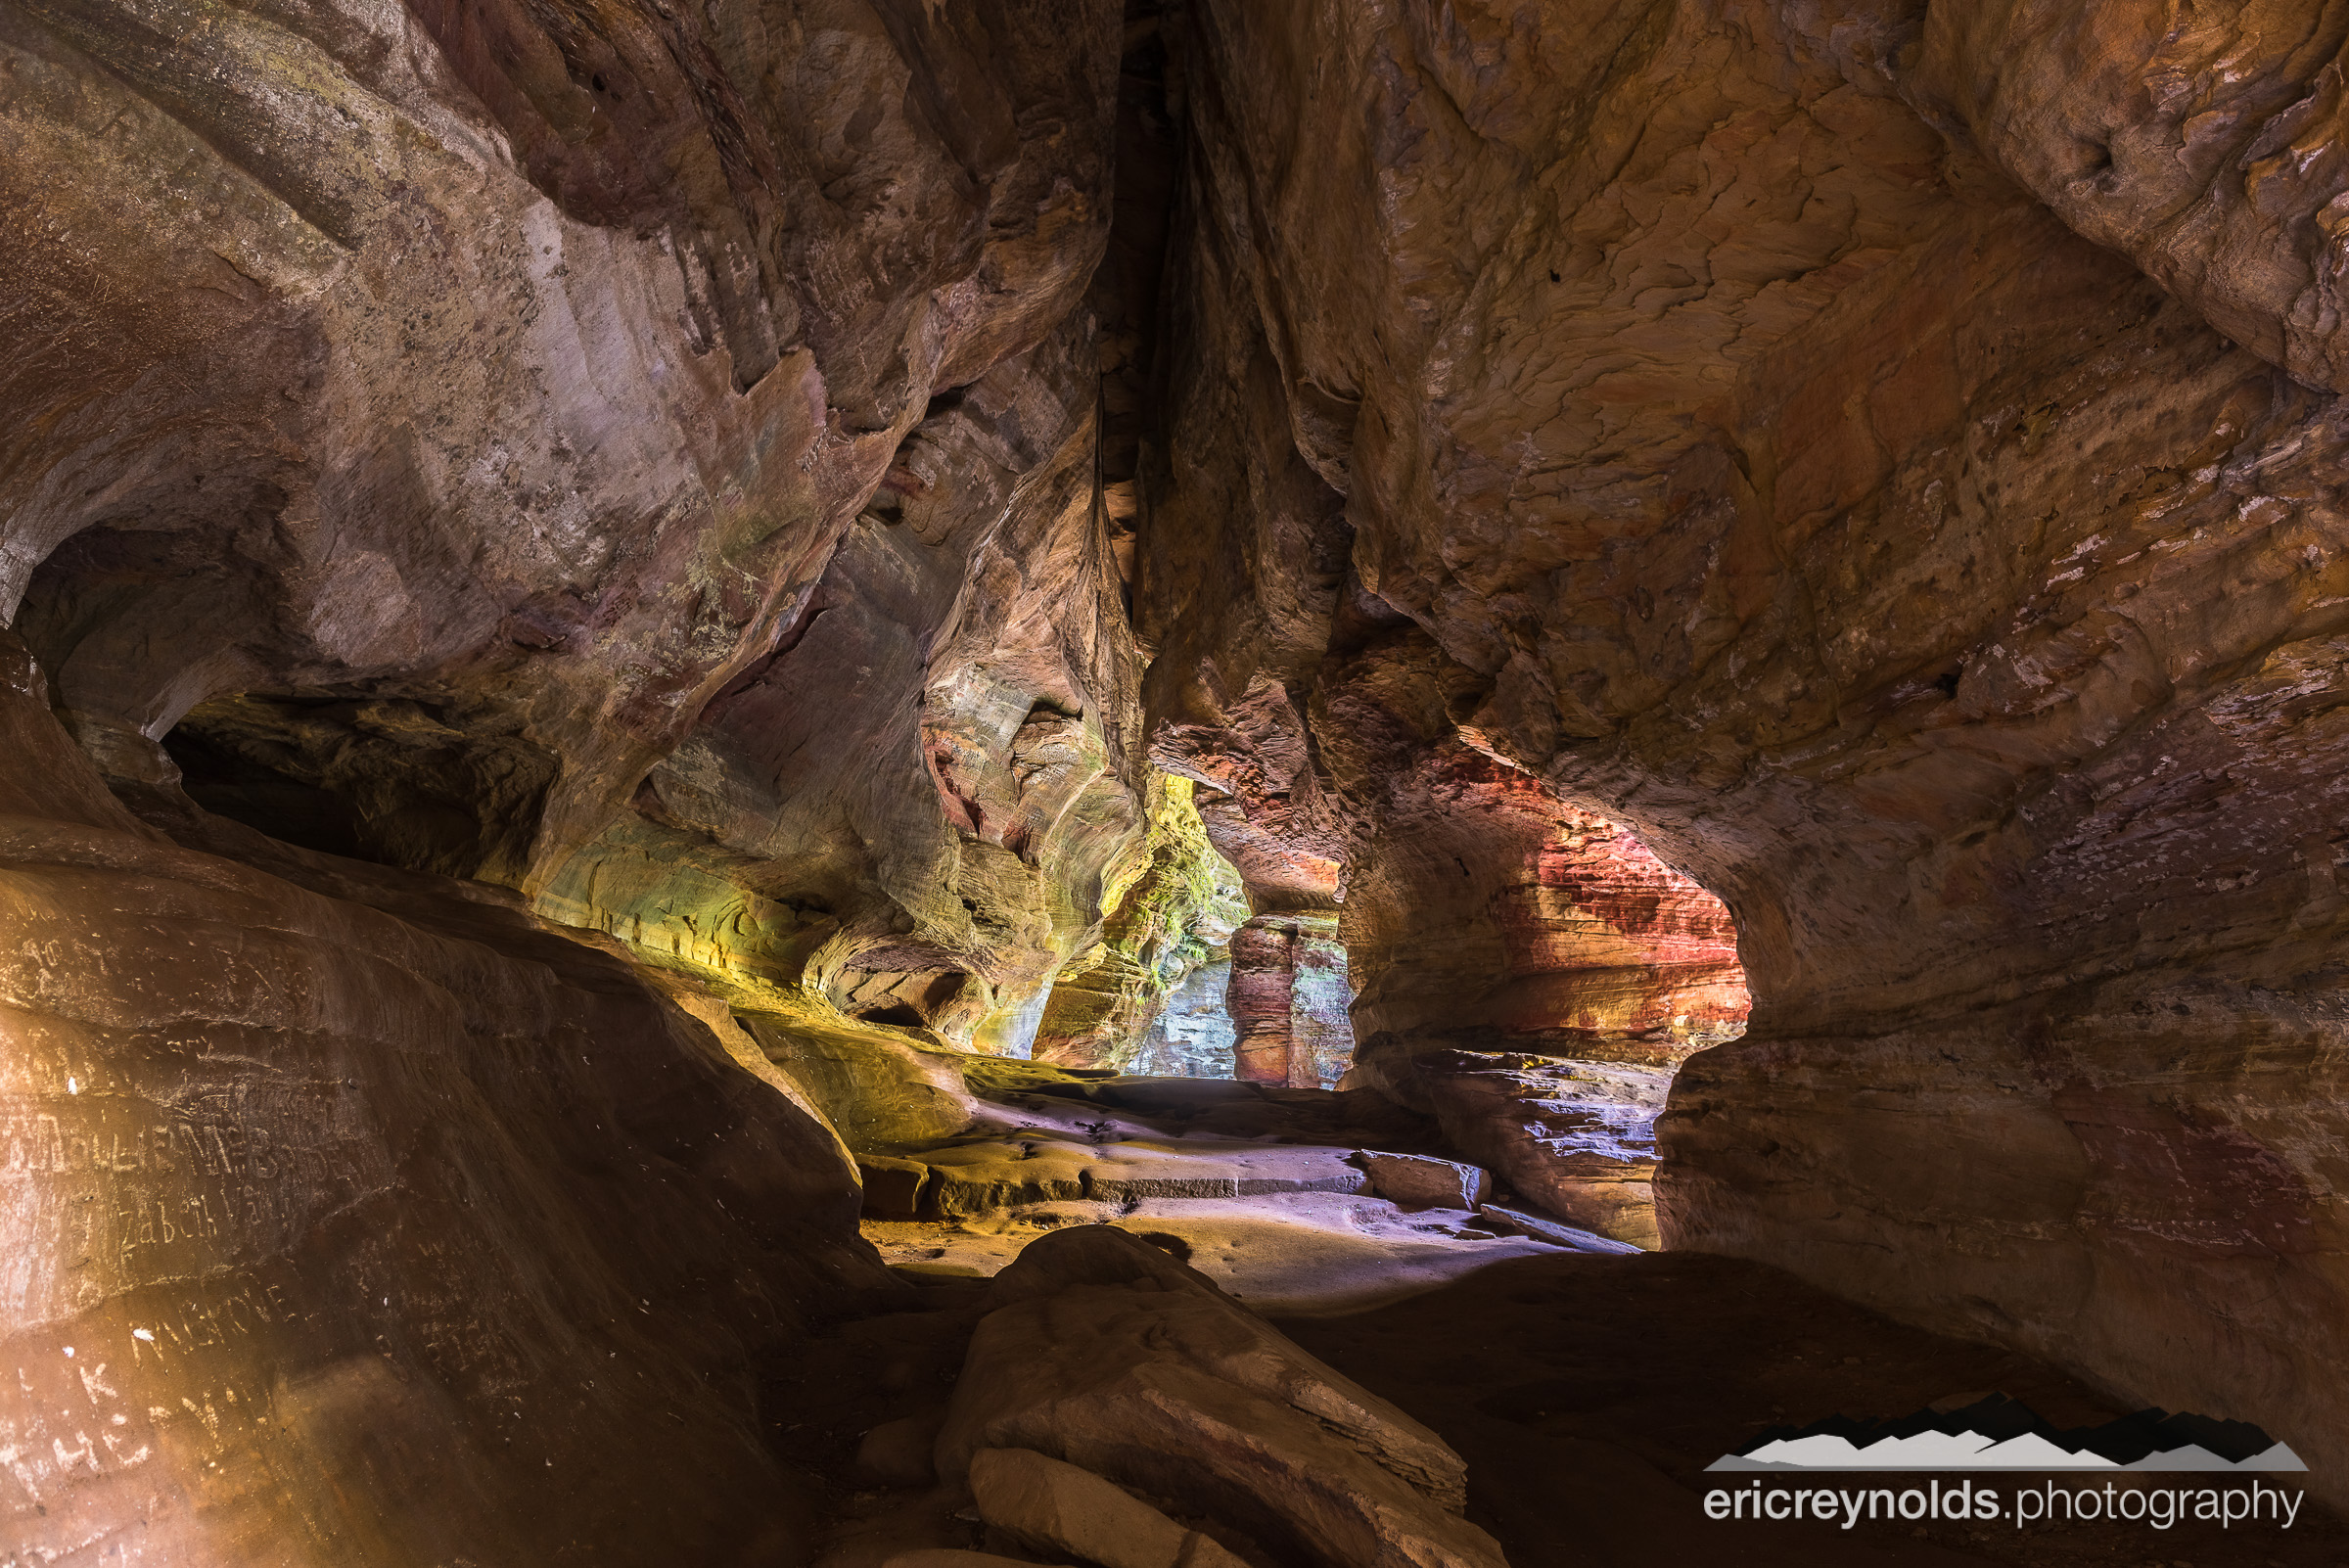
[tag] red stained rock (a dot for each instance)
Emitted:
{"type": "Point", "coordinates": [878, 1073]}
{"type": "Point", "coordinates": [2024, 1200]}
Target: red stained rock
{"type": "Point", "coordinates": [676, 466]}
{"type": "Point", "coordinates": [1287, 999]}
{"type": "Point", "coordinates": [1883, 459]}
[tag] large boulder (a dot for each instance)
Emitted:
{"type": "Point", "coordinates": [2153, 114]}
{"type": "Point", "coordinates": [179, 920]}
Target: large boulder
{"type": "Point", "coordinates": [1111, 1356]}
{"type": "Point", "coordinates": [1052, 1506]}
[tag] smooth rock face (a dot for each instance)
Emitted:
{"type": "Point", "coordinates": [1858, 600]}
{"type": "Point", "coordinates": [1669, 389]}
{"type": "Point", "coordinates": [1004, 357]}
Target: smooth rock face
{"type": "Point", "coordinates": [898, 1453]}
{"type": "Point", "coordinates": [326, 1219]}
{"type": "Point", "coordinates": [1417, 1181]}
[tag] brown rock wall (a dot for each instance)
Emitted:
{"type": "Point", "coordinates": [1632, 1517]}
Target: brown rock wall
{"type": "Point", "coordinates": [1173, 919]}
{"type": "Point", "coordinates": [1878, 460]}
{"type": "Point", "coordinates": [1719, 437]}
{"type": "Point", "coordinates": [445, 416]}
{"type": "Point", "coordinates": [1287, 997]}
{"type": "Point", "coordinates": [640, 458]}
{"type": "Point", "coordinates": [328, 1219]}
{"type": "Point", "coordinates": [930, 851]}
{"type": "Point", "coordinates": [1472, 894]}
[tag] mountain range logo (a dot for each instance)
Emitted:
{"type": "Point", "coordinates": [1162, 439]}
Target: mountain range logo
{"type": "Point", "coordinates": [1996, 1433]}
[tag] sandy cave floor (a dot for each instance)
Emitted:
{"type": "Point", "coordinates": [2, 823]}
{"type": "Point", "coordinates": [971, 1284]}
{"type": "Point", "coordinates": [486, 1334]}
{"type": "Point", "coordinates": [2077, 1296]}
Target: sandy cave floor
{"type": "Point", "coordinates": [1294, 1252]}
{"type": "Point", "coordinates": [1586, 1391]}
{"type": "Point", "coordinates": [1302, 1253]}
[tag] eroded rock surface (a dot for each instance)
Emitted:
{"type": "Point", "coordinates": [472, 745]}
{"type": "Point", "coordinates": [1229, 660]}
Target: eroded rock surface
{"type": "Point", "coordinates": [1287, 997]}
{"type": "Point", "coordinates": [1574, 1136]}
{"type": "Point", "coordinates": [592, 594]}
{"type": "Point", "coordinates": [1172, 922]}
{"type": "Point", "coordinates": [1047, 1506]}
{"type": "Point", "coordinates": [357, 1215]}
{"type": "Point", "coordinates": [1105, 1353]}
{"type": "Point", "coordinates": [1878, 454]}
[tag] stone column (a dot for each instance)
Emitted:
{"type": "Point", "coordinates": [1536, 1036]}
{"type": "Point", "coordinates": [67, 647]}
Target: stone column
{"type": "Point", "coordinates": [1288, 998]}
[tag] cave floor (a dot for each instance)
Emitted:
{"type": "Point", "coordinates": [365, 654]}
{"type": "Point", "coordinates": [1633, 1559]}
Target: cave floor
{"type": "Point", "coordinates": [1586, 1391]}
{"type": "Point", "coordinates": [1587, 1394]}
{"type": "Point", "coordinates": [1171, 1159]}
{"type": "Point", "coordinates": [1284, 1253]}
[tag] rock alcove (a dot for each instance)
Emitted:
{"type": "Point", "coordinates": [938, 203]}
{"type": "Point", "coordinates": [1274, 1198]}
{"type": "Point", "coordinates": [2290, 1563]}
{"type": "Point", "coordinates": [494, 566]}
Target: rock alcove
{"type": "Point", "coordinates": [650, 652]}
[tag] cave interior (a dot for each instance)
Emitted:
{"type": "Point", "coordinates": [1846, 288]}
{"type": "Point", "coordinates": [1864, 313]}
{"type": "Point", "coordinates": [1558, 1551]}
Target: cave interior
{"type": "Point", "coordinates": [927, 783]}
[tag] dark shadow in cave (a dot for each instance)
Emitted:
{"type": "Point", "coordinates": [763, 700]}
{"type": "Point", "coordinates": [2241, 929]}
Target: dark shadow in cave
{"type": "Point", "coordinates": [265, 799]}
{"type": "Point", "coordinates": [383, 779]}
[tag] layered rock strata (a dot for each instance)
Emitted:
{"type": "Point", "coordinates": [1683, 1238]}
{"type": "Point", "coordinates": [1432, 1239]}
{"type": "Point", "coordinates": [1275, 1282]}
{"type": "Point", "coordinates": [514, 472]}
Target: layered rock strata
{"type": "Point", "coordinates": [1192, 1035]}
{"type": "Point", "coordinates": [1287, 997]}
{"type": "Point", "coordinates": [537, 425]}
{"type": "Point", "coordinates": [1171, 923]}
{"type": "Point", "coordinates": [1881, 456]}
{"type": "Point", "coordinates": [930, 854]}
{"type": "Point", "coordinates": [640, 460]}
{"type": "Point", "coordinates": [1875, 459]}
{"type": "Point", "coordinates": [1104, 1354]}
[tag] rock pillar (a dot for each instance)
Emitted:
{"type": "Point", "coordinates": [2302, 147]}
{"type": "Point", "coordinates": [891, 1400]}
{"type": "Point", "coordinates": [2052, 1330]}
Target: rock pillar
{"type": "Point", "coordinates": [1287, 999]}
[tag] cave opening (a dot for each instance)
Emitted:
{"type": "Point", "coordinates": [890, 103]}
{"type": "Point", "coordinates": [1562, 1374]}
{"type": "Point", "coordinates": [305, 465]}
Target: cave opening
{"type": "Point", "coordinates": [1201, 974]}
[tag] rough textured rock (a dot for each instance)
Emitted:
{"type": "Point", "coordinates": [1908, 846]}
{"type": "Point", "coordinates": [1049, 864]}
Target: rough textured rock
{"type": "Point", "coordinates": [443, 277]}
{"type": "Point", "coordinates": [1327, 719]}
{"type": "Point", "coordinates": [523, 424]}
{"type": "Point", "coordinates": [1052, 1506]}
{"type": "Point", "coordinates": [931, 855]}
{"type": "Point", "coordinates": [470, 437]}
{"type": "Point", "coordinates": [1171, 923]}
{"type": "Point", "coordinates": [1857, 448]}
{"type": "Point", "coordinates": [691, 469]}
{"type": "Point", "coordinates": [1287, 999]}
{"type": "Point", "coordinates": [1192, 1035]}
{"type": "Point", "coordinates": [1111, 1356]}
{"type": "Point", "coordinates": [986, 1171]}
{"type": "Point", "coordinates": [1576, 1137]}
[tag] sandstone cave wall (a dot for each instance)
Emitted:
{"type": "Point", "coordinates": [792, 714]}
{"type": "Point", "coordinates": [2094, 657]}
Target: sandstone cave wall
{"type": "Point", "coordinates": [352, 1215]}
{"type": "Point", "coordinates": [1476, 903]}
{"type": "Point", "coordinates": [1880, 457]}
{"type": "Point", "coordinates": [1173, 920]}
{"type": "Point", "coordinates": [643, 461]}
{"type": "Point", "coordinates": [443, 423]}
{"type": "Point", "coordinates": [1884, 456]}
